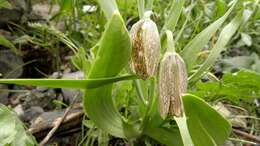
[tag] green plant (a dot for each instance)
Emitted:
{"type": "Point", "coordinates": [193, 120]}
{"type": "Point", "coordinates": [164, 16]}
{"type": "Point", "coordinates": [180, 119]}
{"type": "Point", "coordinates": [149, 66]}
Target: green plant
{"type": "Point", "coordinates": [8, 44]}
{"type": "Point", "coordinates": [12, 130]}
{"type": "Point", "coordinates": [200, 124]}
{"type": "Point", "coordinates": [4, 4]}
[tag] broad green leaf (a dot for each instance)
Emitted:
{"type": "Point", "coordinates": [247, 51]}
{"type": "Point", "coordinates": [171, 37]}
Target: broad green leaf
{"type": "Point", "coordinates": [232, 92]}
{"type": "Point", "coordinates": [224, 38]}
{"type": "Point", "coordinates": [243, 78]}
{"type": "Point", "coordinates": [156, 129]}
{"type": "Point", "coordinates": [206, 126]}
{"type": "Point", "coordinates": [109, 7]}
{"type": "Point", "coordinates": [175, 12]}
{"type": "Point", "coordinates": [169, 137]}
{"type": "Point", "coordinates": [112, 56]}
{"type": "Point", "coordinates": [12, 131]}
{"type": "Point", "coordinates": [8, 44]}
{"type": "Point", "coordinates": [7, 127]}
{"type": "Point", "coordinates": [191, 50]}
{"type": "Point", "coordinates": [21, 137]}
{"type": "Point", "coordinates": [68, 83]}
{"type": "Point", "coordinates": [241, 85]}
{"type": "Point", "coordinates": [5, 4]}
{"type": "Point", "coordinates": [164, 135]}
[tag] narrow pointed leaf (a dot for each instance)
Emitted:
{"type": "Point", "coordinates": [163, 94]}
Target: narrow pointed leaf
{"type": "Point", "coordinates": [68, 83]}
{"type": "Point", "coordinates": [175, 12]}
{"type": "Point", "coordinates": [8, 44]}
{"type": "Point", "coordinates": [191, 50]}
{"type": "Point", "coordinates": [224, 38]}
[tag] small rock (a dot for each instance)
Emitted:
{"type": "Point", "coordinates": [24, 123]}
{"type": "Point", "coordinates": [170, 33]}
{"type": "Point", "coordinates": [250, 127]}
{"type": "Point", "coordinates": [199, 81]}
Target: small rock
{"type": "Point", "coordinates": [5, 33]}
{"type": "Point", "coordinates": [4, 94]}
{"type": "Point", "coordinates": [230, 115]}
{"type": "Point", "coordinates": [11, 64]}
{"type": "Point", "coordinates": [43, 10]}
{"type": "Point", "coordinates": [39, 98]}
{"type": "Point", "coordinates": [42, 89]}
{"type": "Point", "coordinates": [229, 143]}
{"type": "Point", "coordinates": [70, 93]}
{"type": "Point", "coordinates": [9, 15]}
{"type": "Point", "coordinates": [56, 75]}
{"type": "Point", "coordinates": [48, 119]}
{"type": "Point", "coordinates": [19, 111]}
{"type": "Point", "coordinates": [32, 113]}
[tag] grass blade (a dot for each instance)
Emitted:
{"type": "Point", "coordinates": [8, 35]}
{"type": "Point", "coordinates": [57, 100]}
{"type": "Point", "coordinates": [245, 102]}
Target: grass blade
{"type": "Point", "coordinates": [68, 83]}
{"type": "Point", "coordinates": [8, 44]}
{"type": "Point", "coordinates": [174, 15]}
{"type": "Point", "coordinates": [191, 50]}
{"type": "Point", "coordinates": [225, 35]}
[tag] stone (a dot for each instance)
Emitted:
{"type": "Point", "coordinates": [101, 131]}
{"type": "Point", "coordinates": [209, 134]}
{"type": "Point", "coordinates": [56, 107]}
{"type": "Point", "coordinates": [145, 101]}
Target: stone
{"type": "Point", "coordinates": [4, 94]}
{"type": "Point", "coordinates": [11, 64]}
{"type": "Point", "coordinates": [231, 115]}
{"type": "Point", "coordinates": [32, 113]}
{"type": "Point", "coordinates": [19, 111]}
{"type": "Point", "coordinates": [70, 93]}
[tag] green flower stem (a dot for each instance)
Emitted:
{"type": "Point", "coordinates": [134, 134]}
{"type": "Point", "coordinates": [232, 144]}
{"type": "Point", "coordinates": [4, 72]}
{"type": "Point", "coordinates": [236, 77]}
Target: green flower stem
{"type": "Point", "coordinates": [170, 42]}
{"type": "Point", "coordinates": [140, 92]}
{"type": "Point", "coordinates": [141, 8]}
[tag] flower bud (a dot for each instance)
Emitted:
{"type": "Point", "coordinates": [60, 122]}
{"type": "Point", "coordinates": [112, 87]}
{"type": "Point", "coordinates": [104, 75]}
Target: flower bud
{"type": "Point", "coordinates": [172, 84]}
{"type": "Point", "coordinates": [146, 48]}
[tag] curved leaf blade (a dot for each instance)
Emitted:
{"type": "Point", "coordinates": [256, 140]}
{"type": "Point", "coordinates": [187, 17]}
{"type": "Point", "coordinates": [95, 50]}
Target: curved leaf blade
{"type": "Point", "coordinates": [224, 38]}
{"type": "Point", "coordinates": [12, 131]}
{"type": "Point", "coordinates": [69, 83]}
{"type": "Point", "coordinates": [191, 50]}
{"type": "Point", "coordinates": [206, 125]}
{"type": "Point", "coordinates": [5, 42]}
{"type": "Point", "coordinates": [154, 128]}
{"type": "Point", "coordinates": [175, 12]}
{"type": "Point", "coordinates": [113, 55]}
{"type": "Point", "coordinates": [109, 7]}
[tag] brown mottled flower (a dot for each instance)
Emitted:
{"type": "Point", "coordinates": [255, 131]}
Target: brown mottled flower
{"type": "Point", "coordinates": [172, 84]}
{"type": "Point", "coordinates": [146, 48]}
